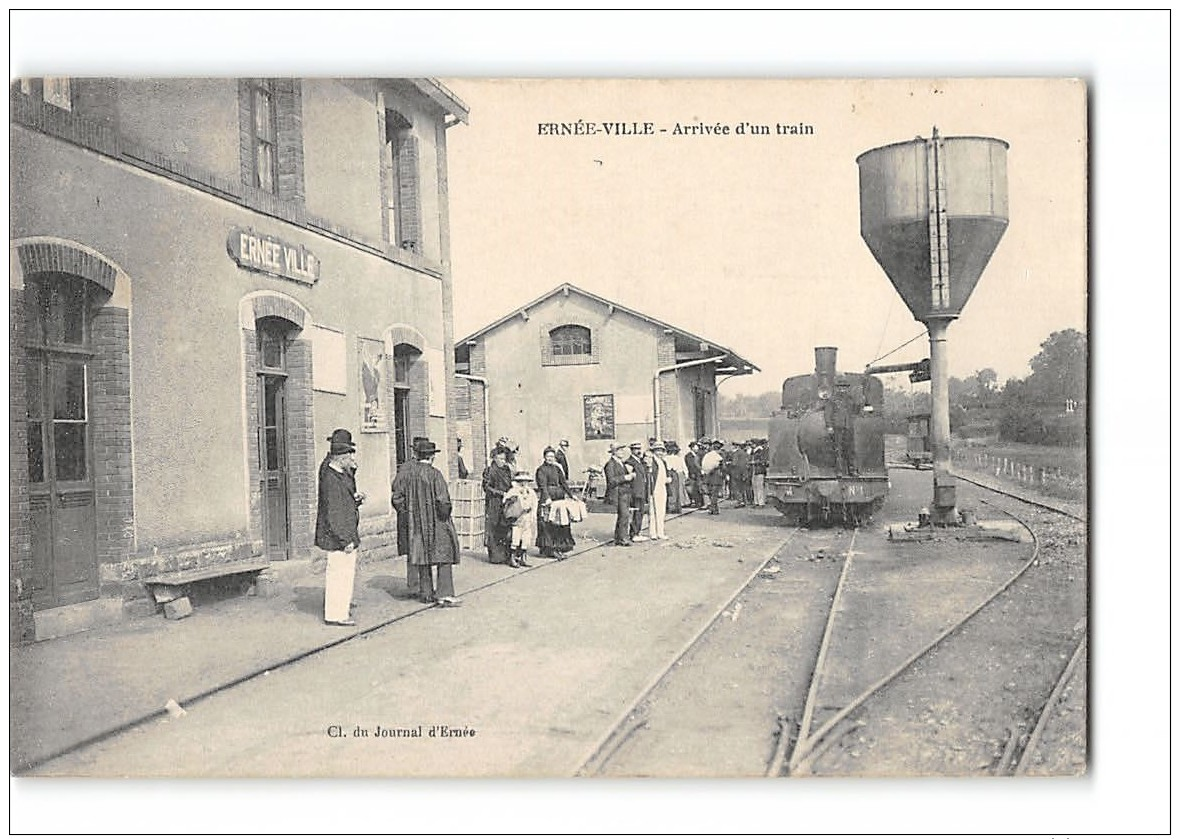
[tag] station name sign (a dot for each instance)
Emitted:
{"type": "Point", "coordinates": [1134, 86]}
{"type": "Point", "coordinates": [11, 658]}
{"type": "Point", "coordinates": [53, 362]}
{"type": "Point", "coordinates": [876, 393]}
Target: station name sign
{"type": "Point", "coordinates": [270, 255]}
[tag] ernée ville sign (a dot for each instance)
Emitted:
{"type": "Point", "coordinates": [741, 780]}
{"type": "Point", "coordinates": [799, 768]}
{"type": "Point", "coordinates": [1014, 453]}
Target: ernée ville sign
{"type": "Point", "coordinates": [269, 255]}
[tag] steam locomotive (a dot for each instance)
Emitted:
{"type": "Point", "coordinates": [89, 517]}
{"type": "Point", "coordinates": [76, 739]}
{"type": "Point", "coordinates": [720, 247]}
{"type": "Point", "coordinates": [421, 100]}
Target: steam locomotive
{"type": "Point", "coordinates": [827, 446]}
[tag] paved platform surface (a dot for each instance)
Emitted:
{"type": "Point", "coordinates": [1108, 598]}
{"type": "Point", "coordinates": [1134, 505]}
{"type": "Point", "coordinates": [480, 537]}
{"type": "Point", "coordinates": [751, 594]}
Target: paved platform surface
{"type": "Point", "coordinates": [78, 688]}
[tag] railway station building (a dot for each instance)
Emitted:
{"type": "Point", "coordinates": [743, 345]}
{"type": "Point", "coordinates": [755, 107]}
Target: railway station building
{"type": "Point", "coordinates": [573, 365]}
{"type": "Point", "coordinates": [208, 276]}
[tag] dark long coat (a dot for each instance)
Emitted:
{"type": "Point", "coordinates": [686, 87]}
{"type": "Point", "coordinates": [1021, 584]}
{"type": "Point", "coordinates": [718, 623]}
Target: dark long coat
{"type": "Point", "coordinates": [420, 495]}
{"type": "Point", "coordinates": [497, 481]}
{"type": "Point", "coordinates": [616, 480]}
{"type": "Point", "coordinates": [640, 484]}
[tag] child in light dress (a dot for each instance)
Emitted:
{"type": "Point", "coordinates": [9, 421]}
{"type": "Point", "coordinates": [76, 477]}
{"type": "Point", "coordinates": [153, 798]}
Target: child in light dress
{"type": "Point", "coordinates": [520, 507]}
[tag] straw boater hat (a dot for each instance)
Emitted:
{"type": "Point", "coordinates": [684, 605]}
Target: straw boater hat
{"type": "Point", "coordinates": [522, 475]}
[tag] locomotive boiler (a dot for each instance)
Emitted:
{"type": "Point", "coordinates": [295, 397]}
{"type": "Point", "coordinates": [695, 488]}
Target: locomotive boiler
{"type": "Point", "coordinates": [827, 446]}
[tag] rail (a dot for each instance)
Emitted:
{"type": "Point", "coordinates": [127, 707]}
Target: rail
{"type": "Point", "coordinates": [805, 756]}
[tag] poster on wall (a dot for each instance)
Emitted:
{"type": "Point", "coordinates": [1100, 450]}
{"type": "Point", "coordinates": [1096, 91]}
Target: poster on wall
{"type": "Point", "coordinates": [372, 366]}
{"type": "Point", "coordinates": [598, 412]}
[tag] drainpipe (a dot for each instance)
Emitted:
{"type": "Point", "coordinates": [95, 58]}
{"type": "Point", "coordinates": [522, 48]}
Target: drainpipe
{"type": "Point", "coordinates": [487, 417]}
{"type": "Point", "coordinates": [655, 385]}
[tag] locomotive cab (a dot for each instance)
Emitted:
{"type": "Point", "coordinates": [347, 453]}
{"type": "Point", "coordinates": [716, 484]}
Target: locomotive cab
{"type": "Point", "coordinates": [827, 451]}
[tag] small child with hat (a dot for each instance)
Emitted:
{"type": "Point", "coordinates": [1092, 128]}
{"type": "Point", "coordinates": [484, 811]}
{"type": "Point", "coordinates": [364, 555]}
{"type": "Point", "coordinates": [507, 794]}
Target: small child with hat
{"type": "Point", "coordinates": [520, 508]}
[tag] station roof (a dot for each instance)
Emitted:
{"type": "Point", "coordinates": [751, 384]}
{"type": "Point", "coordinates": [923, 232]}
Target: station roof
{"type": "Point", "coordinates": [444, 97]}
{"type": "Point", "coordinates": [686, 342]}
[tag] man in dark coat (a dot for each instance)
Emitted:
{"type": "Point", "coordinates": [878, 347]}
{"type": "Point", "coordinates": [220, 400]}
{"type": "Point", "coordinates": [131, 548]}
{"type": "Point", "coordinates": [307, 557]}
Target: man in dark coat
{"type": "Point", "coordinates": [461, 465]}
{"type": "Point", "coordinates": [559, 453]}
{"type": "Point", "coordinates": [337, 526]}
{"type": "Point", "coordinates": [618, 494]}
{"type": "Point", "coordinates": [692, 462]}
{"type": "Point", "coordinates": [739, 474]}
{"type": "Point", "coordinates": [420, 494]}
{"type": "Point", "coordinates": [639, 491]}
{"type": "Point", "coordinates": [713, 473]}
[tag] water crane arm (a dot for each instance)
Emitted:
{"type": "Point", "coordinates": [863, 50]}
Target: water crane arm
{"type": "Point", "coordinates": [898, 368]}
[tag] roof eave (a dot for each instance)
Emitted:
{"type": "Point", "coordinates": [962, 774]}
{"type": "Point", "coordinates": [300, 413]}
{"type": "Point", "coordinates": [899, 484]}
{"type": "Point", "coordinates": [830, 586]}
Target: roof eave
{"type": "Point", "coordinates": [740, 366]}
{"type": "Point", "coordinates": [442, 96]}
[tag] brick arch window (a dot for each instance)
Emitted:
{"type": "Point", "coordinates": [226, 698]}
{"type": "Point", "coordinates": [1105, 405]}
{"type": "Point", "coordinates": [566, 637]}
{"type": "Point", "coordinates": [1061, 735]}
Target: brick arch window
{"type": "Point", "coordinates": [568, 343]}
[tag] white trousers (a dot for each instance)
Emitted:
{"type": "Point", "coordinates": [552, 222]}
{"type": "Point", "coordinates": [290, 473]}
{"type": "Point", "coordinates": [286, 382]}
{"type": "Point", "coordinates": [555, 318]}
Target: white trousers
{"type": "Point", "coordinates": [659, 511]}
{"type": "Point", "coordinates": [759, 490]}
{"type": "Point", "coordinates": [338, 582]}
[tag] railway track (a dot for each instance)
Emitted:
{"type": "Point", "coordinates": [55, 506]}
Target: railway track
{"type": "Point", "coordinates": [757, 706]}
{"type": "Point", "coordinates": [874, 714]}
{"type": "Point", "coordinates": [802, 737]}
{"type": "Point", "coordinates": [628, 723]}
{"type": "Point", "coordinates": [1021, 763]}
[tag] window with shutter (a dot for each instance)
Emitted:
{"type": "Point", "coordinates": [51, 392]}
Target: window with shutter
{"type": "Point", "coordinates": [403, 203]}
{"type": "Point", "coordinates": [271, 134]}
{"type": "Point", "coordinates": [264, 135]}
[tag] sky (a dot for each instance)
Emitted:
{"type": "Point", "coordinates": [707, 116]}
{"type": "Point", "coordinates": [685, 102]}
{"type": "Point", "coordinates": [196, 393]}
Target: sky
{"type": "Point", "coordinates": [754, 241]}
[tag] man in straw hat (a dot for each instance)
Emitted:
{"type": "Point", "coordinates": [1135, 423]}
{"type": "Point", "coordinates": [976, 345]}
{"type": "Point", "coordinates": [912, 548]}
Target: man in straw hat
{"type": "Point", "coordinates": [337, 526]}
{"type": "Point", "coordinates": [419, 495]}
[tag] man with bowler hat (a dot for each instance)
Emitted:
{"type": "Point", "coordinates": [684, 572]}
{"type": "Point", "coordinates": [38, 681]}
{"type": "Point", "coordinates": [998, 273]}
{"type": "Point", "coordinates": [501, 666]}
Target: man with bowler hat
{"type": "Point", "coordinates": [337, 526]}
{"type": "Point", "coordinates": [420, 496]}
{"type": "Point", "coordinates": [618, 493]}
{"type": "Point", "coordinates": [640, 490]}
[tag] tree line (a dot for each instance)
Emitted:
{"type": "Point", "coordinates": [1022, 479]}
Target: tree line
{"type": "Point", "coordinates": [1048, 406]}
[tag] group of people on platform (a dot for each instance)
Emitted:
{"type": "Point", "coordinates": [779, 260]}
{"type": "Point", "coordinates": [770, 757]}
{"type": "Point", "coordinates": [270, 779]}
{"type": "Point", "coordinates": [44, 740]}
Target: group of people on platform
{"type": "Point", "coordinates": [425, 532]}
{"type": "Point", "coordinates": [523, 509]}
{"type": "Point", "coordinates": [660, 480]}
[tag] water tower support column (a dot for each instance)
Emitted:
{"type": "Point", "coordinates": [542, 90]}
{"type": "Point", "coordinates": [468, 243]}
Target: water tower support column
{"type": "Point", "coordinates": [943, 510]}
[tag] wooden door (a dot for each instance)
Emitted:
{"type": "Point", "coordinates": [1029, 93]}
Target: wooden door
{"type": "Point", "coordinates": [61, 481]}
{"type": "Point", "coordinates": [272, 461]}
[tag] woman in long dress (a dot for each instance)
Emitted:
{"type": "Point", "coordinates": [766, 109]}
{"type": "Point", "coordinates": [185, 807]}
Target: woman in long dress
{"type": "Point", "coordinates": [554, 539]}
{"type": "Point", "coordinates": [497, 481]}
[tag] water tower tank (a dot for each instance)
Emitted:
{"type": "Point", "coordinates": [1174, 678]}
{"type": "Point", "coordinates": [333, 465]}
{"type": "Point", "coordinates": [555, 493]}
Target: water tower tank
{"type": "Point", "coordinates": [932, 212]}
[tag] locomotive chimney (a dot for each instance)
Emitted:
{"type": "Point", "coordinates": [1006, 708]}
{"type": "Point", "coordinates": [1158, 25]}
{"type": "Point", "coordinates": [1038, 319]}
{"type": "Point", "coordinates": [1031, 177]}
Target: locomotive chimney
{"type": "Point", "coordinates": [825, 367]}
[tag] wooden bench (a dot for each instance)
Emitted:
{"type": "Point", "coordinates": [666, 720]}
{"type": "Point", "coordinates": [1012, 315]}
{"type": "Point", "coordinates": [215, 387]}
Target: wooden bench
{"type": "Point", "coordinates": [170, 588]}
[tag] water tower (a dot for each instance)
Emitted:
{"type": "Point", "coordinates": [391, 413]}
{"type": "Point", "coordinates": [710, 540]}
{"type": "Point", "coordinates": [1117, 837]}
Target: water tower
{"type": "Point", "coordinates": [932, 212]}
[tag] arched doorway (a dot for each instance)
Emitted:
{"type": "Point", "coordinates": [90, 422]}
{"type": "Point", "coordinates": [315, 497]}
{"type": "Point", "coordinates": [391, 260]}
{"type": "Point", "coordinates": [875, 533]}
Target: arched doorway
{"type": "Point", "coordinates": [406, 423]}
{"type": "Point", "coordinates": [59, 361]}
{"type": "Point", "coordinates": [271, 425]}
{"type": "Point", "coordinates": [280, 449]}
